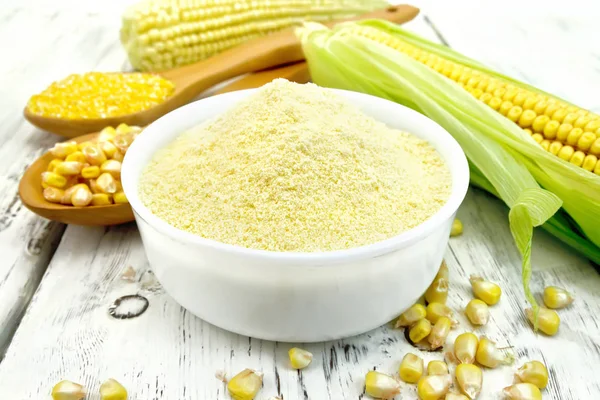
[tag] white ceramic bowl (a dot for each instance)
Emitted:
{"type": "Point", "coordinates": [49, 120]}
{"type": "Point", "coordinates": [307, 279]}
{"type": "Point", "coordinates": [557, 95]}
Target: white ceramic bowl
{"type": "Point", "coordinates": [294, 297]}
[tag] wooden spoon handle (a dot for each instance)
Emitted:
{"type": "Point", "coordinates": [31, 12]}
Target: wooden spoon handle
{"type": "Point", "coordinates": [279, 48]}
{"type": "Point", "coordinates": [297, 72]}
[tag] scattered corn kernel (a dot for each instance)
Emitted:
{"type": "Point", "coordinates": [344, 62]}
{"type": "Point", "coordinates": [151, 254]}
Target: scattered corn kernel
{"type": "Point", "coordinates": [522, 391]}
{"type": "Point", "coordinates": [90, 172]}
{"type": "Point", "coordinates": [100, 95]}
{"type": "Point", "coordinates": [478, 312]}
{"type": "Point", "coordinates": [381, 386]}
{"type": "Point", "coordinates": [420, 330]}
{"type": "Point", "coordinates": [533, 372]}
{"type": "Point", "coordinates": [120, 198]}
{"type": "Point", "coordinates": [112, 390]}
{"type": "Point", "coordinates": [437, 310]}
{"type": "Point", "coordinates": [470, 379]}
{"type": "Point", "coordinates": [53, 195]}
{"type": "Point", "coordinates": [443, 272]}
{"type": "Point", "coordinates": [54, 180]}
{"type": "Point", "coordinates": [76, 156]}
{"type": "Point", "coordinates": [67, 198]}
{"type": "Point", "coordinates": [67, 168]}
{"type": "Point", "coordinates": [439, 332]}
{"type": "Point", "coordinates": [118, 156]}
{"type": "Point", "coordinates": [245, 385]}
{"type": "Point", "coordinates": [437, 367]}
{"type": "Point", "coordinates": [548, 320]}
{"type": "Point", "coordinates": [433, 387]}
{"type": "Point", "coordinates": [437, 292]}
{"type": "Point", "coordinates": [411, 368]}
{"type": "Point", "coordinates": [555, 297]}
{"type": "Point", "coordinates": [112, 167]}
{"type": "Point", "coordinates": [67, 390]}
{"type": "Point", "coordinates": [299, 358]}
{"type": "Point", "coordinates": [101, 199]}
{"type": "Point", "coordinates": [415, 313]}
{"type": "Point", "coordinates": [62, 150]}
{"type": "Point", "coordinates": [83, 145]}
{"type": "Point", "coordinates": [485, 290]}
{"type": "Point", "coordinates": [490, 356]}
{"type": "Point", "coordinates": [122, 129]}
{"type": "Point", "coordinates": [122, 142]}
{"type": "Point", "coordinates": [456, 396]}
{"type": "Point", "coordinates": [457, 228]}
{"type": "Point", "coordinates": [465, 347]}
{"type": "Point", "coordinates": [106, 183]}
{"type": "Point", "coordinates": [82, 196]}
{"type": "Point", "coordinates": [108, 148]}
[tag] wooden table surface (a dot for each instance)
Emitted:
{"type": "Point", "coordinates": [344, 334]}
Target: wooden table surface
{"type": "Point", "coordinates": [57, 282]}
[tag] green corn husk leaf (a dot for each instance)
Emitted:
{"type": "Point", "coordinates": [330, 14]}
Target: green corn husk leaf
{"type": "Point", "coordinates": [338, 58]}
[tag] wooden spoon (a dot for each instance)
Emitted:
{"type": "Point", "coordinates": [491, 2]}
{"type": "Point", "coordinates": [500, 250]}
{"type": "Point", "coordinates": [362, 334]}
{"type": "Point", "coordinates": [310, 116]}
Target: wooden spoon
{"type": "Point", "coordinates": [30, 191]}
{"type": "Point", "coordinates": [190, 80]}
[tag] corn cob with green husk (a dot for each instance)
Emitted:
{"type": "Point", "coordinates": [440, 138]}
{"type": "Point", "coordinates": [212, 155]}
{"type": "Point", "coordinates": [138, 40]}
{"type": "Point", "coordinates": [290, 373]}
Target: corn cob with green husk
{"type": "Point", "coordinates": [536, 152]}
{"type": "Point", "coordinates": [162, 34]}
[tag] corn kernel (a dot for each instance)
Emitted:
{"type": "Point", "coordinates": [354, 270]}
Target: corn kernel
{"type": "Point", "coordinates": [443, 272]}
{"type": "Point", "coordinates": [420, 330]}
{"type": "Point", "coordinates": [522, 391]}
{"type": "Point", "coordinates": [415, 313]}
{"type": "Point", "coordinates": [551, 129]}
{"type": "Point", "coordinates": [112, 167]}
{"type": "Point", "coordinates": [112, 390]}
{"type": "Point", "coordinates": [90, 172]}
{"type": "Point", "coordinates": [437, 367]}
{"type": "Point", "coordinates": [62, 150]}
{"type": "Point", "coordinates": [533, 372]}
{"type": "Point", "coordinates": [106, 183]}
{"type": "Point", "coordinates": [470, 379]}
{"type": "Point", "coordinates": [478, 312]}
{"type": "Point", "coordinates": [555, 297]}
{"type": "Point", "coordinates": [108, 148]}
{"type": "Point", "coordinates": [590, 162]}
{"type": "Point", "coordinates": [299, 358]}
{"type": "Point", "coordinates": [94, 186]}
{"type": "Point", "coordinates": [54, 180]}
{"type": "Point", "coordinates": [484, 290]}
{"type": "Point", "coordinates": [585, 141]}
{"type": "Point", "coordinates": [548, 320]}
{"type": "Point", "coordinates": [505, 107]}
{"type": "Point", "coordinates": [101, 199]}
{"type": "Point", "coordinates": [381, 386]}
{"type": "Point", "coordinates": [76, 156]}
{"type": "Point", "coordinates": [465, 347]}
{"type": "Point", "coordinates": [411, 368]}
{"type": "Point", "coordinates": [118, 156]}
{"type": "Point", "coordinates": [526, 119]}
{"type": "Point", "coordinates": [495, 103]}
{"type": "Point", "coordinates": [439, 332]}
{"type": "Point", "coordinates": [437, 310]}
{"type": "Point", "coordinates": [94, 155]}
{"type": "Point", "coordinates": [107, 134]}
{"type": "Point", "coordinates": [570, 118]}
{"type": "Point", "coordinates": [53, 164]}
{"type": "Point", "coordinates": [433, 387]}
{"type": "Point", "coordinates": [67, 390]}
{"type": "Point", "coordinates": [245, 385]}
{"type": "Point", "coordinates": [457, 228]}
{"type": "Point", "coordinates": [120, 198]}
{"type": "Point", "coordinates": [490, 356]}
{"type": "Point", "coordinates": [83, 145]}
{"type": "Point", "coordinates": [122, 142]}
{"type": "Point", "coordinates": [53, 195]}
{"type": "Point", "coordinates": [82, 196]}
{"type": "Point", "coordinates": [67, 168]}
{"type": "Point", "coordinates": [456, 396]}
{"type": "Point", "coordinates": [69, 193]}
{"type": "Point", "coordinates": [437, 292]}
{"type": "Point", "coordinates": [122, 129]}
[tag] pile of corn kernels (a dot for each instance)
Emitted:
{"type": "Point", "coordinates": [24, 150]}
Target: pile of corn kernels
{"type": "Point", "coordinates": [89, 173]}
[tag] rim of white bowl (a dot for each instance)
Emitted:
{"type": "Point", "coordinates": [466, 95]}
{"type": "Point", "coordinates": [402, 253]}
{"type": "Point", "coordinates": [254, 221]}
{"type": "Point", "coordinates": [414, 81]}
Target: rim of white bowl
{"type": "Point", "coordinates": [459, 174]}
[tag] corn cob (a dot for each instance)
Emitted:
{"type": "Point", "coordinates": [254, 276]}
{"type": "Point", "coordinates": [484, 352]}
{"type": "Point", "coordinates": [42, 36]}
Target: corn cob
{"type": "Point", "coordinates": [569, 132]}
{"type": "Point", "coordinates": [162, 34]}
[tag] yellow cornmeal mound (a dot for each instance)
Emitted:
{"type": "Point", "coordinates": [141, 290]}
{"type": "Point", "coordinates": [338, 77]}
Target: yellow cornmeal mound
{"type": "Point", "coordinates": [295, 168]}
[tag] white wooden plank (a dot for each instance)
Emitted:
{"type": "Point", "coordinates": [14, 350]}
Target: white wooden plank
{"type": "Point", "coordinates": [168, 353]}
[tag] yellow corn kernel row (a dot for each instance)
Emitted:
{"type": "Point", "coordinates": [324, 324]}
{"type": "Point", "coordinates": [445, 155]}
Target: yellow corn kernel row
{"type": "Point", "coordinates": [571, 133]}
{"type": "Point", "coordinates": [100, 95]}
{"type": "Point", "coordinates": [109, 390]}
{"type": "Point", "coordinates": [159, 35]}
{"type": "Point", "coordinates": [83, 174]}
